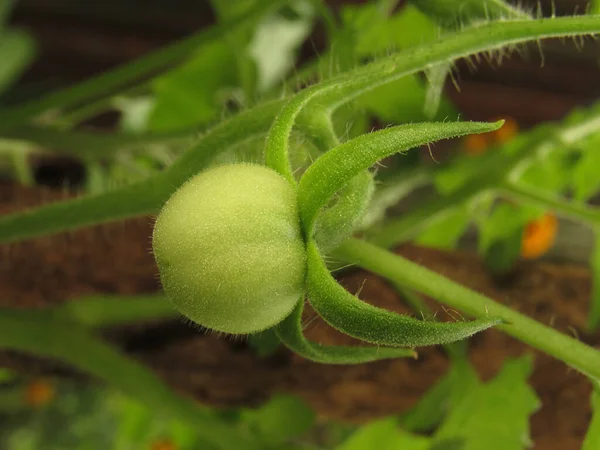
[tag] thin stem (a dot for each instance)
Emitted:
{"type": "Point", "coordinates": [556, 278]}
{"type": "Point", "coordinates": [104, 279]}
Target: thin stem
{"type": "Point", "coordinates": [38, 332]}
{"type": "Point", "coordinates": [547, 200]}
{"type": "Point", "coordinates": [413, 276]}
{"type": "Point", "coordinates": [82, 143]}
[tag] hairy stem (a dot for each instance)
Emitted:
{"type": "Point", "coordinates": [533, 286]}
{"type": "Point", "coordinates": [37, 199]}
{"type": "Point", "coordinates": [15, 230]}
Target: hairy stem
{"type": "Point", "coordinates": [413, 276]}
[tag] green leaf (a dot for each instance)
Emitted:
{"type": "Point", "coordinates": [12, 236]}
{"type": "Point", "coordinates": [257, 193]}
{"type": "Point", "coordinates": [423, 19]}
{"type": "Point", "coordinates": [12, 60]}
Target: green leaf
{"type": "Point", "coordinates": [551, 171]}
{"type": "Point", "coordinates": [585, 174]}
{"type": "Point", "coordinates": [401, 101]}
{"type": "Point", "coordinates": [384, 434]}
{"type": "Point", "coordinates": [334, 169]}
{"type": "Point", "coordinates": [594, 314]}
{"type": "Point", "coordinates": [435, 404]}
{"type": "Point", "coordinates": [276, 42]}
{"type": "Point", "coordinates": [17, 50]}
{"type": "Point", "coordinates": [192, 93]}
{"type": "Point", "coordinates": [290, 331]}
{"type": "Point", "coordinates": [446, 232]}
{"type": "Point", "coordinates": [495, 415]}
{"type": "Point", "coordinates": [358, 319]}
{"type": "Point", "coordinates": [592, 438]}
{"type": "Point", "coordinates": [377, 33]}
{"type": "Point", "coordinates": [108, 82]}
{"type": "Point", "coordinates": [503, 222]}
{"type": "Point", "coordinates": [281, 419]}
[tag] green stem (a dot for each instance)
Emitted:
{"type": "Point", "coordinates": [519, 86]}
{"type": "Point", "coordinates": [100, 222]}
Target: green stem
{"type": "Point", "coordinates": [487, 37]}
{"type": "Point", "coordinates": [107, 83]}
{"type": "Point", "coordinates": [38, 332]}
{"type": "Point", "coordinates": [413, 276]}
{"type": "Point", "coordinates": [81, 143]}
{"type": "Point", "coordinates": [547, 200]}
{"type": "Point", "coordinates": [105, 310]}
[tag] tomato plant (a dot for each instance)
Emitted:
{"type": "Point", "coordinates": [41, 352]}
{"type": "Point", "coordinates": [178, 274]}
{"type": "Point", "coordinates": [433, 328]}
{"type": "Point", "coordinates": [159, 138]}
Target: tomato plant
{"type": "Point", "coordinates": [241, 246]}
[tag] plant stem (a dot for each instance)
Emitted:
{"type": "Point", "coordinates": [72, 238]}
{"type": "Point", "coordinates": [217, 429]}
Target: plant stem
{"type": "Point", "coordinates": [82, 143]}
{"type": "Point", "coordinates": [38, 332]}
{"type": "Point", "coordinates": [108, 310]}
{"type": "Point", "coordinates": [413, 276]}
{"type": "Point", "coordinates": [531, 195]}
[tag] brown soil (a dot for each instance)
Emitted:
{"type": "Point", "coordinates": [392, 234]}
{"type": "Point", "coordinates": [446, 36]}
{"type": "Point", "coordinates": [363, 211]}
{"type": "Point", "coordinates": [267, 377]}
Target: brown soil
{"type": "Point", "coordinates": [115, 259]}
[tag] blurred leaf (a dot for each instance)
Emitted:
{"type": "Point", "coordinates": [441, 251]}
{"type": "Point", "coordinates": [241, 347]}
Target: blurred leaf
{"type": "Point", "coordinates": [264, 343]}
{"type": "Point", "coordinates": [433, 406]}
{"type": "Point", "coordinates": [495, 415]}
{"type": "Point", "coordinates": [384, 434]}
{"type": "Point", "coordinates": [378, 33]}
{"type": "Point", "coordinates": [592, 438]}
{"type": "Point", "coordinates": [453, 175]}
{"type": "Point", "coordinates": [192, 94]}
{"type": "Point", "coordinates": [552, 171]}
{"type": "Point", "coordinates": [135, 113]}
{"type": "Point", "coordinates": [375, 33]}
{"type": "Point", "coordinates": [505, 220]}
{"type": "Point", "coordinates": [501, 255]}
{"type": "Point", "coordinates": [446, 232]}
{"type": "Point", "coordinates": [276, 42]}
{"type": "Point", "coordinates": [401, 101]}
{"type": "Point", "coordinates": [136, 425]}
{"type": "Point", "coordinates": [282, 418]}
{"type": "Point", "coordinates": [594, 314]}
{"type": "Point", "coordinates": [17, 50]}
{"type": "Point", "coordinates": [586, 181]}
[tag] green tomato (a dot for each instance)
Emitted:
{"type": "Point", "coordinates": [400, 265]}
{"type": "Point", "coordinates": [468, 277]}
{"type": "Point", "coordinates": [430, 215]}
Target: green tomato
{"type": "Point", "coordinates": [230, 250]}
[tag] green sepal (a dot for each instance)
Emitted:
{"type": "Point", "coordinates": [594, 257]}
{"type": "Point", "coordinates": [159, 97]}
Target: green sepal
{"type": "Point", "coordinates": [351, 316]}
{"type": "Point", "coordinates": [331, 171]}
{"type": "Point", "coordinates": [290, 333]}
{"type": "Point", "coordinates": [336, 224]}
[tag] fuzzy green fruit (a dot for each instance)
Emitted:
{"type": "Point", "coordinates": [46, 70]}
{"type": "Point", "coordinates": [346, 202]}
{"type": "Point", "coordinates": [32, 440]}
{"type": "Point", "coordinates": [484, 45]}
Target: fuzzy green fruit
{"type": "Point", "coordinates": [229, 249]}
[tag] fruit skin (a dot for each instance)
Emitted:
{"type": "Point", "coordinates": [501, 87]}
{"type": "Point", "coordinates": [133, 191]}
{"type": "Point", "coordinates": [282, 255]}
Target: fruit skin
{"type": "Point", "coordinates": [230, 250]}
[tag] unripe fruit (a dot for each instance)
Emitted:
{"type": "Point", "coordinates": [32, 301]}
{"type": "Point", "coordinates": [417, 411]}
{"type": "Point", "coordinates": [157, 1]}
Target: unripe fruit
{"type": "Point", "coordinates": [229, 248]}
